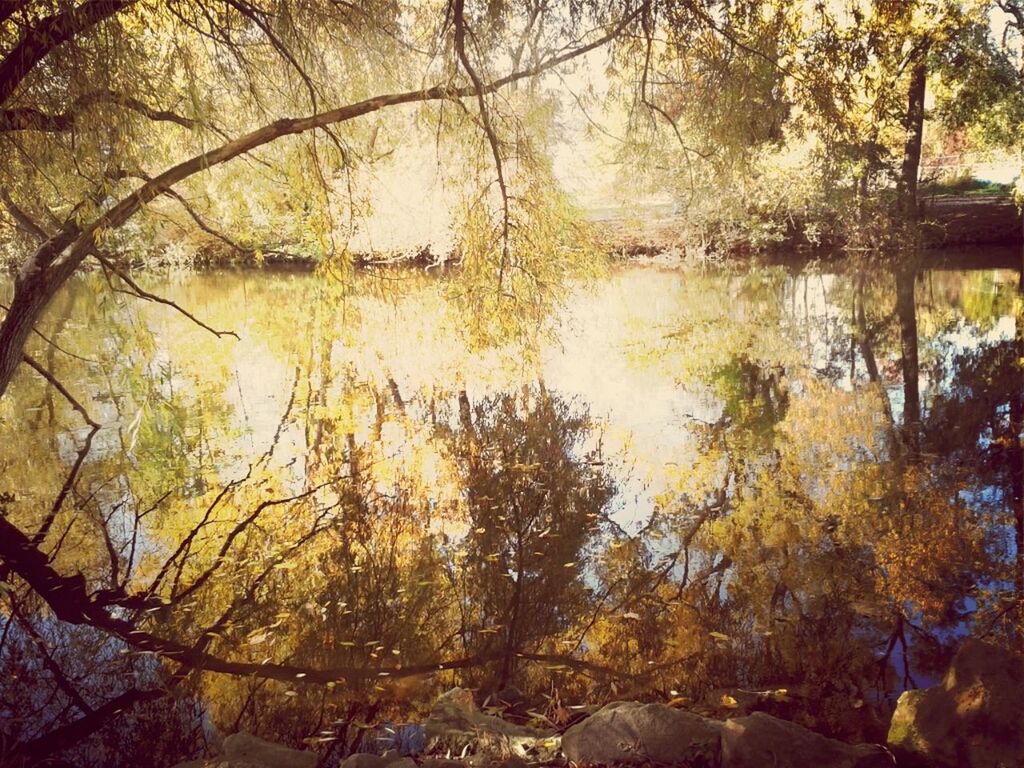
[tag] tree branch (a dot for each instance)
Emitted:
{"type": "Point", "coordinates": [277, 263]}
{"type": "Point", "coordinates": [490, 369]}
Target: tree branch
{"type": "Point", "coordinates": [140, 292]}
{"type": "Point", "coordinates": [55, 383]}
{"type": "Point", "coordinates": [58, 258]}
{"type": "Point", "coordinates": [32, 119]}
{"type": "Point", "coordinates": [49, 33]}
{"type": "Point", "coordinates": [22, 219]}
{"type": "Point", "coordinates": [59, 738]}
{"type": "Point", "coordinates": [492, 138]}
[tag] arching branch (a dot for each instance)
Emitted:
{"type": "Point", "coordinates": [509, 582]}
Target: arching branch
{"type": "Point", "coordinates": [49, 33]}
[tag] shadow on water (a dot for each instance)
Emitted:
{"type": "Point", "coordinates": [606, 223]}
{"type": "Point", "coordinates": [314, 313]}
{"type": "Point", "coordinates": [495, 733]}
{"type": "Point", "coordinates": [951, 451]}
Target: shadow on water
{"type": "Point", "coordinates": [807, 478]}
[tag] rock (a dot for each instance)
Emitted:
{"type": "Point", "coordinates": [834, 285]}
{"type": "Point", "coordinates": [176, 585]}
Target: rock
{"type": "Point", "coordinates": [219, 762]}
{"type": "Point", "coordinates": [455, 722]}
{"type": "Point", "coordinates": [364, 760]}
{"type": "Point", "coordinates": [630, 732]}
{"type": "Point", "coordinates": [760, 740]}
{"type": "Point", "coordinates": [440, 762]}
{"type": "Point", "coordinates": [241, 747]}
{"type": "Point", "coordinates": [973, 719]}
{"type": "Point", "coordinates": [841, 714]}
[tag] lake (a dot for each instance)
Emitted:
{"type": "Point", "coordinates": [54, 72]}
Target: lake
{"type": "Point", "coordinates": [679, 481]}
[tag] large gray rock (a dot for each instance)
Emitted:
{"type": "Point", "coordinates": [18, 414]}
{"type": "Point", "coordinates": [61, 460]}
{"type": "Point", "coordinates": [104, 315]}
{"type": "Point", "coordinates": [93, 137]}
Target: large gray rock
{"type": "Point", "coordinates": [455, 722]}
{"type": "Point", "coordinates": [973, 719]}
{"type": "Point", "coordinates": [441, 762]}
{"type": "Point", "coordinates": [241, 747]}
{"type": "Point", "coordinates": [630, 732]}
{"type": "Point", "coordinates": [364, 760]}
{"type": "Point", "coordinates": [760, 740]}
{"type": "Point", "coordinates": [390, 759]}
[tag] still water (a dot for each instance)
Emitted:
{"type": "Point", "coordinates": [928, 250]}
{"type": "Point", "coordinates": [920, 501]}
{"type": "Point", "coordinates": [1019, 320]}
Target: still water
{"type": "Point", "coordinates": [681, 481]}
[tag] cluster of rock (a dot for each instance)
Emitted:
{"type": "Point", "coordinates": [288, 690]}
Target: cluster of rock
{"type": "Point", "coordinates": [973, 719]}
{"type": "Point", "coordinates": [244, 751]}
{"type": "Point", "coordinates": [629, 732]}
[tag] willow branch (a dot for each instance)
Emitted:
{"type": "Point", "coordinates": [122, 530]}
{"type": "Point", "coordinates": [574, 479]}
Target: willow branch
{"type": "Point", "coordinates": [60, 256]}
{"type": "Point", "coordinates": [492, 138]}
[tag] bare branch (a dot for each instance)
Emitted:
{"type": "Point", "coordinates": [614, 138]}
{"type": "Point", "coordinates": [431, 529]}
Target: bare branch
{"type": "Point", "coordinates": [59, 738]}
{"type": "Point", "coordinates": [137, 290]}
{"type": "Point", "coordinates": [56, 672]}
{"type": "Point", "coordinates": [55, 383]}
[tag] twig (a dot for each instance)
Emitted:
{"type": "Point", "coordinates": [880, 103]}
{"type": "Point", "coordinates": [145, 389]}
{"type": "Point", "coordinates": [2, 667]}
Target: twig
{"type": "Point", "coordinates": [61, 388]}
{"type": "Point", "coordinates": [140, 292]}
{"type": "Point", "coordinates": [54, 344]}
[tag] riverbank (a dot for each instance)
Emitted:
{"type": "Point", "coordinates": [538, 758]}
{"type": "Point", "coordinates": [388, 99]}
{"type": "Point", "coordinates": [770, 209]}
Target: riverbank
{"type": "Point", "coordinates": [973, 719]}
{"type": "Point", "coordinates": [947, 222]}
{"type": "Point", "coordinates": [957, 232]}
{"type": "Point", "coordinates": [953, 229]}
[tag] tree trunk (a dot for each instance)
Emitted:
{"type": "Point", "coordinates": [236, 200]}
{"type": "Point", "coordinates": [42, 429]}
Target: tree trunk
{"type": "Point", "coordinates": [906, 312]}
{"type": "Point", "coordinates": [906, 185]}
{"type": "Point", "coordinates": [1017, 479]}
{"type": "Point", "coordinates": [32, 295]}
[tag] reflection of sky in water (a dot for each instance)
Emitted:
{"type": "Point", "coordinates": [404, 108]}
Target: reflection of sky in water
{"type": "Point", "coordinates": [611, 353]}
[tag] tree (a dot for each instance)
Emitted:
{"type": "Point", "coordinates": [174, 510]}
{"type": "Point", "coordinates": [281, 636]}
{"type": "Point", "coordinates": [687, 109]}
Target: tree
{"type": "Point", "coordinates": [801, 121]}
{"type": "Point", "coordinates": [116, 184]}
{"type": "Point", "coordinates": [534, 505]}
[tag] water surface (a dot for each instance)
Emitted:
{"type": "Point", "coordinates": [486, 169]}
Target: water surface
{"type": "Point", "coordinates": [686, 480]}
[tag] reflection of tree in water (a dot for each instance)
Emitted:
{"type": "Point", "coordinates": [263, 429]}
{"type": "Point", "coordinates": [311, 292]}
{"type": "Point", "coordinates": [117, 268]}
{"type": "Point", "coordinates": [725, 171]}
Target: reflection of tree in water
{"type": "Point", "coordinates": [534, 504]}
{"type": "Point", "coordinates": [815, 540]}
{"type": "Point", "coordinates": [975, 426]}
{"type": "Point", "coordinates": [325, 604]}
{"type": "Point", "coordinates": [74, 687]}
